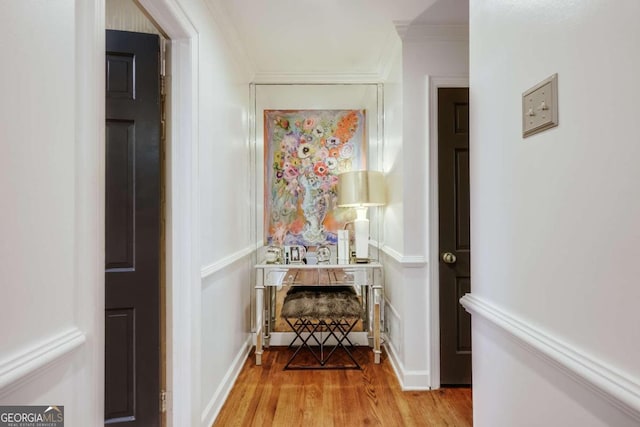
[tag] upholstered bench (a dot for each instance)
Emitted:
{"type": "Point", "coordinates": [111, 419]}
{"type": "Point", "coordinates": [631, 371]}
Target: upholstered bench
{"type": "Point", "coordinates": [321, 318]}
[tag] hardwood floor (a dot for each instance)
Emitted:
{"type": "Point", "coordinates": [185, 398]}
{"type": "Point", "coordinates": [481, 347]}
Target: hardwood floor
{"type": "Point", "coordinates": [268, 396]}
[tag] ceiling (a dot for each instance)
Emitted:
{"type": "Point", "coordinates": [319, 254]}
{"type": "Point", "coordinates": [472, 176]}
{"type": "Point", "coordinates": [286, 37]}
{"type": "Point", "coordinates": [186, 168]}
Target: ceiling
{"type": "Point", "coordinates": [330, 37]}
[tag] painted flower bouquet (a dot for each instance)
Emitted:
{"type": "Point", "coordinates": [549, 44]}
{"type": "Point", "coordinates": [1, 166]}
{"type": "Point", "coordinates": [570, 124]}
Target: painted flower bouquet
{"type": "Point", "coordinates": [305, 150]}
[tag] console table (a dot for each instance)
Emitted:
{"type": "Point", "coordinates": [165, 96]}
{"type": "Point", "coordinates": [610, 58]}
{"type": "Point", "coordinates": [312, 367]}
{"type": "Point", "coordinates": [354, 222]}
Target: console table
{"type": "Point", "coordinates": [368, 278]}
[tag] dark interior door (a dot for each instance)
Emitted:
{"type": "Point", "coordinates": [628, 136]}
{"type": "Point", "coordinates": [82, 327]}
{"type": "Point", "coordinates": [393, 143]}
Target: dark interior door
{"type": "Point", "coordinates": [132, 235]}
{"type": "Point", "coordinates": [455, 248]}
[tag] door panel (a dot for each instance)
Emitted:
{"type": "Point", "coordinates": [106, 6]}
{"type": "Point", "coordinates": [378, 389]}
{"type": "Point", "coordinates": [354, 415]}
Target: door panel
{"type": "Point", "coordinates": [120, 214]}
{"type": "Point", "coordinates": [132, 230]}
{"type": "Point", "coordinates": [454, 230]}
{"type": "Point", "coordinates": [119, 366]}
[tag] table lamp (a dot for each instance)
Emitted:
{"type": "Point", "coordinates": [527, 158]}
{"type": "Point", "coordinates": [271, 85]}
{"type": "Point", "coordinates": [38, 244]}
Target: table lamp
{"type": "Point", "coordinates": [359, 190]}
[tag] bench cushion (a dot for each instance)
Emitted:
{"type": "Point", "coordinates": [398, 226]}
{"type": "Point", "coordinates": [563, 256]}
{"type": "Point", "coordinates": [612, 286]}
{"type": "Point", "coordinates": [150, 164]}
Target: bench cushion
{"type": "Point", "coordinates": [321, 302]}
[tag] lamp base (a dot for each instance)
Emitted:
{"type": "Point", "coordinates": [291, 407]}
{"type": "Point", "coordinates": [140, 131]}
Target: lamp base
{"type": "Point", "coordinates": [361, 228]}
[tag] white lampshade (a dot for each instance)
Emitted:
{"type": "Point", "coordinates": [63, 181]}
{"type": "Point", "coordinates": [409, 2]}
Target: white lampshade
{"type": "Point", "coordinates": [360, 189]}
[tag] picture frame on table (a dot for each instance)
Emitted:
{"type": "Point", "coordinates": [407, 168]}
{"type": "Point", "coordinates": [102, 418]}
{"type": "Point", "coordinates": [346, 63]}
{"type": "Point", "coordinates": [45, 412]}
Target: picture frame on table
{"type": "Point", "coordinates": [295, 254]}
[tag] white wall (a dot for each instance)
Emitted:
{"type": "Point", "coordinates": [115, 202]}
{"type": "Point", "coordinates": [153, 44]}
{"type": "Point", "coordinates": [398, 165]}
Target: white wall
{"type": "Point", "coordinates": [52, 227]}
{"type": "Point", "coordinates": [38, 171]}
{"type": "Point", "coordinates": [220, 307]}
{"type": "Point", "coordinates": [392, 156]}
{"type": "Point", "coordinates": [52, 186]}
{"type": "Point", "coordinates": [427, 51]}
{"type": "Point", "coordinates": [555, 225]}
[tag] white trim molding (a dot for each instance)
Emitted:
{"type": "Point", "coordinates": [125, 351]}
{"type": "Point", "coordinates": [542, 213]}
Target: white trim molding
{"type": "Point", "coordinates": [402, 27]}
{"type": "Point", "coordinates": [409, 261]}
{"type": "Point", "coordinates": [214, 406]}
{"type": "Point", "coordinates": [433, 83]}
{"type": "Point", "coordinates": [618, 388]}
{"type": "Point", "coordinates": [183, 243]}
{"type": "Point", "coordinates": [232, 36]}
{"type": "Point", "coordinates": [419, 32]}
{"type": "Point", "coordinates": [25, 365]}
{"type": "Point", "coordinates": [219, 265]}
{"type": "Point", "coordinates": [319, 77]}
{"type": "Point", "coordinates": [409, 380]}
{"type": "Point", "coordinates": [391, 49]}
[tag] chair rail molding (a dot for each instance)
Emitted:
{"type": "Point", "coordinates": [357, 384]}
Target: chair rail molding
{"type": "Point", "coordinates": [622, 391]}
{"type": "Point", "coordinates": [410, 261]}
{"type": "Point", "coordinates": [22, 366]}
{"type": "Point", "coordinates": [221, 264]}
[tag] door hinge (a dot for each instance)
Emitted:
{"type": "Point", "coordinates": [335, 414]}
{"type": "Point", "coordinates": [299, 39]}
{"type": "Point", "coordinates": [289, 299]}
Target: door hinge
{"type": "Point", "coordinates": [163, 106]}
{"type": "Point", "coordinates": [163, 401]}
{"type": "Point", "coordinates": [163, 88]}
{"type": "Point", "coordinates": [163, 56]}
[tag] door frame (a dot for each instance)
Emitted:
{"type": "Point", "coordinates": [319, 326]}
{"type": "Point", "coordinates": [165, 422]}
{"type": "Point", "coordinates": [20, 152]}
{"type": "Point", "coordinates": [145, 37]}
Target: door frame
{"type": "Point", "coordinates": [433, 84]}
{"type": "Point", "coordinates": [182, 219]}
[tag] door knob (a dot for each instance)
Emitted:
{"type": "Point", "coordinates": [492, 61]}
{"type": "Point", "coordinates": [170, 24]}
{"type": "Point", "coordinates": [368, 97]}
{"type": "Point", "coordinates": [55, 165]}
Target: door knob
{"type": "Point", "coordinates": [448, 258]}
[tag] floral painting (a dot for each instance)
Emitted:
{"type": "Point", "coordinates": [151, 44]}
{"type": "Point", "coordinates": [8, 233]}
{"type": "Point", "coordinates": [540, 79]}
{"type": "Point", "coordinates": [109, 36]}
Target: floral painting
{"type": "Point", "coordinates": [305, 150]}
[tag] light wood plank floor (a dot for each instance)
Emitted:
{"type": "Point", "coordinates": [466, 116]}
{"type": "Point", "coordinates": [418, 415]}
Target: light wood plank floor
{"type": "Point", "coordinates": [268, 396]}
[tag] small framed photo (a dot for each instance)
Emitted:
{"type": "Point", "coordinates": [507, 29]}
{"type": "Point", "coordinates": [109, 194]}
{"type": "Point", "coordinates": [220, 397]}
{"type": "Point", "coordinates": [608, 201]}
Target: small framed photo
{"type": "Point", "coordinates": [295, 254]}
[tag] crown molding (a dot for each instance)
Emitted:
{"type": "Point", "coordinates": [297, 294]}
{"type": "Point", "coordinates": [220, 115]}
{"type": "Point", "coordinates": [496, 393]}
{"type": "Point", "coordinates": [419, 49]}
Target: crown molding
{"type": "Point", "coordinates": [231, 36]}
{"type": "Point", "coordinates": [391, 50]}
{"type": "Point", "coordinates": [421, 32]}
{"type": "Point", "coordinates": [402, 27]}
{"type": "Point", "coordinates": [319, 77]}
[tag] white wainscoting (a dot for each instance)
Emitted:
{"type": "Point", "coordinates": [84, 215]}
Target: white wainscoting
{"type": "Point", "coordinates": [402, 278]}
{"type": "Point", "coordinates": [618, 388]}
{"type": "Point", "coordinates": [409, 380]}
{"type": "Point", "coordinates": [219, 276]}
{"type": "Point", "coordinates": [27, 364]}
{"type": "Point", "coordinates": [216, 402]}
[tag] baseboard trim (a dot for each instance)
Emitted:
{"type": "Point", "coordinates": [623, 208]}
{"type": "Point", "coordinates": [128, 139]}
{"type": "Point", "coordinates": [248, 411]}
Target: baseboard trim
{"type": "Point", "coordinates": [214, 406]}
{"type": "Point", "coordinates": [409, 380]}
{"type": "Point", "coordinates": [619, 389]}
{"type": "Point", "coordinates": [24, 366]}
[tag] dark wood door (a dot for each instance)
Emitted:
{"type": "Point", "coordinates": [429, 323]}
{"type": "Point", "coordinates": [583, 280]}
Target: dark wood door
{"type": "Point", "coordinates": [132, 235]}
{"type": "Point", "coordinates": [455, 248]}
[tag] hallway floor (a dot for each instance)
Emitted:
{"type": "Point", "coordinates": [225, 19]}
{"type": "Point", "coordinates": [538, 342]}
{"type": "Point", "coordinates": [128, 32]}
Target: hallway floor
{"type": "Point", "coordinates": [268, 396]}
